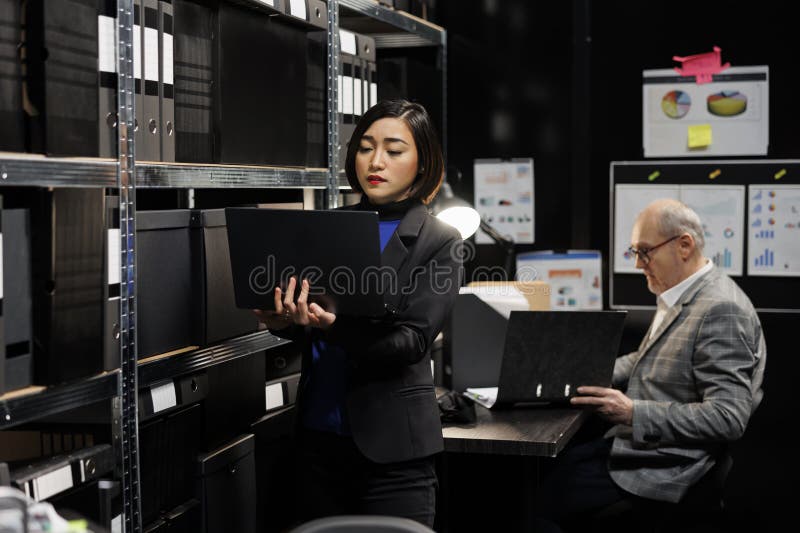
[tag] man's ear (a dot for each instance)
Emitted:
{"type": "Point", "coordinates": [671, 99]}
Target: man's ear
{"type": "Point", "coordinates": [686, 246]}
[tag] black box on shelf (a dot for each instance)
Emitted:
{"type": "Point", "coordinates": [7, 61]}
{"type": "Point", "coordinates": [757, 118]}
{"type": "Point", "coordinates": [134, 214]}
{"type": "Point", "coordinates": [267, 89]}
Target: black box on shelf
{"type": "Point", "coordinates": [12, 134]}
{"type": "Point", "coordinates": [167, 295]}
{"type": "Point", "coordinates": [220, 318]}
{"type": "Point", "coordinates": [275, 474]}
{"type": "Point", "coordinates": [258, 121]}
{"type": "Point", "coordinates": [235, 398]}
{"type": "Point", "coordinates": [168, 451]}
{"type": "Point", "coordinates": [163, 397]}
{"type": "Point", "coordinates": [17, 306]}
{"type": "Point", "coordinates": [61, 78]}
{"type": "Point", "coordinates": [111, 294]}
{"type": "Point", "coordinates": [282, 361]}
{"type": "Point", "coordinates": [227, 487]}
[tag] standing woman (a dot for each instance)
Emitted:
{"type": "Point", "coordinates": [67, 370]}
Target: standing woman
{"type": "Point", "coordinates": [368, 418]}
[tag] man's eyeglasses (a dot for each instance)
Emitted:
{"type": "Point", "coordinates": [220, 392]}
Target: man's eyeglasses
{"type": "Point", "coordinates": [644, 253]}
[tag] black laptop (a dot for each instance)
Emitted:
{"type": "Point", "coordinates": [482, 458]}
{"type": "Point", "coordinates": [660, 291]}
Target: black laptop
{"type": "Point", "coordinates": [337, 251]}
{"type": "Point", "coordinates": [549, 354]}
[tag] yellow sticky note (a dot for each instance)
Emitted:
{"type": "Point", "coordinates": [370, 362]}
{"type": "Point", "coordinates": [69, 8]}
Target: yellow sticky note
{"type": "Point", "coordinates": [700, 136]}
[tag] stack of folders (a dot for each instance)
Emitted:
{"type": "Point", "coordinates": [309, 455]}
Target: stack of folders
{"type": "Point", "coordinates": [357, 85]}
{"type": "Point", "coordinates": [153, 65]}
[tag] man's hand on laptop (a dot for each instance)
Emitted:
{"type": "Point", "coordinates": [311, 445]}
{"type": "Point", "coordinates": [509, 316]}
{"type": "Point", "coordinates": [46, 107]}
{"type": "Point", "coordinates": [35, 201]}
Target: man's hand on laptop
{"type": "Point", "coordinates": [610, 404]}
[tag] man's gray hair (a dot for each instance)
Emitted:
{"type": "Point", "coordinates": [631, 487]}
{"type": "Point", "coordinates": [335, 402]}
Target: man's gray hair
{"type": "Point", "coordinates": [678, 218]}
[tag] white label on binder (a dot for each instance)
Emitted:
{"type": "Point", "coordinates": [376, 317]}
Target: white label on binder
{"type": "Point", "coordinates": [83, 471]}
{"type": "Point", "coordinates": [52, 483]}
{"type": "Point", "coordinates": [274, 395]}
{"type": "Point", "coordinates": [116, 524]}
{"type": "Point", "coordinates": [169, 77]}
{"type": "Point", "coordinates": [137, 51]}
{"type": "Point", "coordinates": [297, 8]}
{"type": "Point", "coordinates": [1, 266]}
{"type": "Point", "coordinates": [267, 2]}
{"type": "Point", "coordinates": [347, 95]}
{"type": "Point", "coordinates": [356, 97]}
{"type": "Point", "coordinates": [163, 396]}
{"type": "Point", "coordinates": [113, 256]}
{"type": "Point", "coordinates": [347, 42]}
{"type": "Point", "coordinates": [106, 43]}
{"type": "Point", "coordinates": [151, 54]}
{"type": "Point", "coordinates": [373, 93]}
{"type": "Point", "coordinates": [367, 102]}
{"type": "Point", "coordinates": [339, 93]}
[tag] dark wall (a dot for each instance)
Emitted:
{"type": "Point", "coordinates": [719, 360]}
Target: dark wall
{"type": "Point", "coordinates": [561, 82]}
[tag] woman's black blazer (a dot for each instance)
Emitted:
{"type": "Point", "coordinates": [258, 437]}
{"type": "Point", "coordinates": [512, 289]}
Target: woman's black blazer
{"type": "Point", "coordinates": [391, 402]}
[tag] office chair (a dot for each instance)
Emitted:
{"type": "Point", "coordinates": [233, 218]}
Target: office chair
{"type": "Point", "coordinates": [365, 523]}
{"type": "Point", "coordinates": [700, 510]}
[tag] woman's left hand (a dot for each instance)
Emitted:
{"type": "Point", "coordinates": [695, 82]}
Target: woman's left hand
{"type": "Point", "coordinates": [303, 313]}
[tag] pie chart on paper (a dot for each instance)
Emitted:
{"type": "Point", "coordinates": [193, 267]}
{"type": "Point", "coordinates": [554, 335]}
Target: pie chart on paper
{"type": "Point", "coordinates": [676, 104]}
{"type": "Point", "coordinates": [727, 103]}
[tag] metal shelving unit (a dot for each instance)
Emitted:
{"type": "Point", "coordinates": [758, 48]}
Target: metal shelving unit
{"type": "Point", "coordinates": [390, 28]}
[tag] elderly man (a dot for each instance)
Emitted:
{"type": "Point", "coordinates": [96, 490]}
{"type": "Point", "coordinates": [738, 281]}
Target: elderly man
{"type": "Point", "coordinates": [690, 387]}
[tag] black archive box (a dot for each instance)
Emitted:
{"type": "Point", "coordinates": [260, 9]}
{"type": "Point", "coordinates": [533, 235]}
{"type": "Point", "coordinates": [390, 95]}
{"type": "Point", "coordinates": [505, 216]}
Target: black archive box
{"type": "Point", "coordinates": [12, 134]}
{"type": "Point", "coordinates": [168, 450]}
{"type": "Point", "coordinates": [185, 284]}
{"type": "Point", "coordinates": [275, 474]}
{"type": "Point", "coordinates": [227, 487]}
{"type": "Point", "coordinates": [61, 78]}
{"type": "Point", "coordinates": [16, 300]}
{"type": "Point", "coordinates": [257, 120]}
{"type": "Point", "coordinates": [282, 361]}
{"type": "Point", "coordinates": [220, 319]}
{"type": "Point", "coordinates": [235, 398]}
{"type": "Point", "coordinates": [167, 296]}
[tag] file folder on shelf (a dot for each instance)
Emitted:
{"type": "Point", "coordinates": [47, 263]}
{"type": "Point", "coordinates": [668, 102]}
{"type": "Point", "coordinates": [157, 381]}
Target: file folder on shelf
{"type": "Point", "coordinates": [195, 39]}
{"type": "Point", "coordinates": [166, 81]}
{"type": "Point", "coordinates": [111, 325]}
{"type": "Point", "coordinates": [15, 295]}
{"type": "Point", "coordinates": [150, 149]}
{"type": "Point", "coordinates": [107, 79]}
{"type": "Point", "coordinates": [60, 72]}
{"type": "Point", "coordinates": [12, 134]}
{"type": "Point", "coordinates": [139, 123]}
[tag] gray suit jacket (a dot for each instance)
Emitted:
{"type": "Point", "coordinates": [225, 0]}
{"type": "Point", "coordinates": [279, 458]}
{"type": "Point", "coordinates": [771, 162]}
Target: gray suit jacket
{"type": "Point", "coordinates": [694, 385]}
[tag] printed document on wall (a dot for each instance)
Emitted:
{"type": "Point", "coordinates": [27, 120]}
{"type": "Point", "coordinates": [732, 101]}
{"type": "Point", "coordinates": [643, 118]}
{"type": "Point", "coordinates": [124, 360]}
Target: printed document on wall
{"type": "Point", "coordinates": [629, 200]}
{"type": "Point", "coordinates": [774, 229]}
{"type": "Point", "coordinates": [721, 210]}
{"type": "Point", "coordinates": [504, 198]}
{"type": "Point", "coordinates": [731, 112]}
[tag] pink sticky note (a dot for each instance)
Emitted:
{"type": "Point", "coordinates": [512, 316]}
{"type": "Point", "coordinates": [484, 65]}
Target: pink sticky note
{"type": "Point", "coordinates": [702, 66]}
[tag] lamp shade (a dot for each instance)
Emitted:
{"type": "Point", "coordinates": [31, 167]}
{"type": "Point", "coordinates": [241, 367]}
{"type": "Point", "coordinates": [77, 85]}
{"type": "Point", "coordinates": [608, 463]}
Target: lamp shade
{"type": "Point", "coordinates": [462, 217]}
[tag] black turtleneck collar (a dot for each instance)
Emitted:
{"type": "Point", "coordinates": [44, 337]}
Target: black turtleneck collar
{"type": "Point", "coordinates": [390, 211]}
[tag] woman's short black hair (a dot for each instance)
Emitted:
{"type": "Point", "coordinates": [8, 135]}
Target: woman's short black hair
{"type": "Point", "coordinates": [429, 151]}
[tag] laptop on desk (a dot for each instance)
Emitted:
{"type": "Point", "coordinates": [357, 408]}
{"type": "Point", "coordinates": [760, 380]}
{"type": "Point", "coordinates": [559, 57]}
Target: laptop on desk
{"type": "Point", "coordinates": [338, 251]}
{"type": "Point", "coordinates": [548, 354]}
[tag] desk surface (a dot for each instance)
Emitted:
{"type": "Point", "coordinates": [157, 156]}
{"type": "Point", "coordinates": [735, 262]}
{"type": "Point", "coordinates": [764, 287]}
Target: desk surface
{"type": "Point", "coordinates": [539, 430]}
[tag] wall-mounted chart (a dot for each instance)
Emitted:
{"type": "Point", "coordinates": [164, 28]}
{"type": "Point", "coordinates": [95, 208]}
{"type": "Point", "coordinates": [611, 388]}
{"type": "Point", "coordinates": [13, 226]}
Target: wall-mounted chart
{"type": "Point", "coordinates": [774, 226]}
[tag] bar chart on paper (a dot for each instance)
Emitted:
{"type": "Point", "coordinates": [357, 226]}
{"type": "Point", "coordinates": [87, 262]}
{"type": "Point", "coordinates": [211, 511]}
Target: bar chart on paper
{"type": "Point", "coordinates": [723, 259]}
{"type": "Point", "coordinates": [774, 226]}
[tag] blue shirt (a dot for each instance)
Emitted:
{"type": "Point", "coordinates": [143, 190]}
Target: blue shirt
{"type": "Point", "coordinates": [326, 387]}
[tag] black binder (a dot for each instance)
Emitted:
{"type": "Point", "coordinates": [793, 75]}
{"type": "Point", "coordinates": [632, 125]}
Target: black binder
{"type": "Point", "coordinates": [139, 123]}
{"type": "Point", "coordinates": [107, 78]}
{"type": "Point", "coordinates": [150, 149]}
{"type": "Point", "coordinates": [166, 80]}
{"type": "Point", "coordinates": [111, 317]}
{"type": "Point", "coordinates": [16, 300]}
{"type": "Point", "coordinates": [12, 134]}
{"type": "Point", "coordinates": [61, 78]}
{"type": "Point", "coordinates": [194, 42]}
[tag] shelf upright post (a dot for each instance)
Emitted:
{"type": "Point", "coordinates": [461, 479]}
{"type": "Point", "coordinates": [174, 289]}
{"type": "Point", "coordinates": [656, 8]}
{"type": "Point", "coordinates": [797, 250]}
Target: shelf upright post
{"type": "Point", "coordinates": [332, 188]}
{"type": "Point", "coordinates": [125, 411]}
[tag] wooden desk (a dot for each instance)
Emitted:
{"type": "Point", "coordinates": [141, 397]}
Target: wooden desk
{"type": "Point", "coordinates": [540, 431]}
